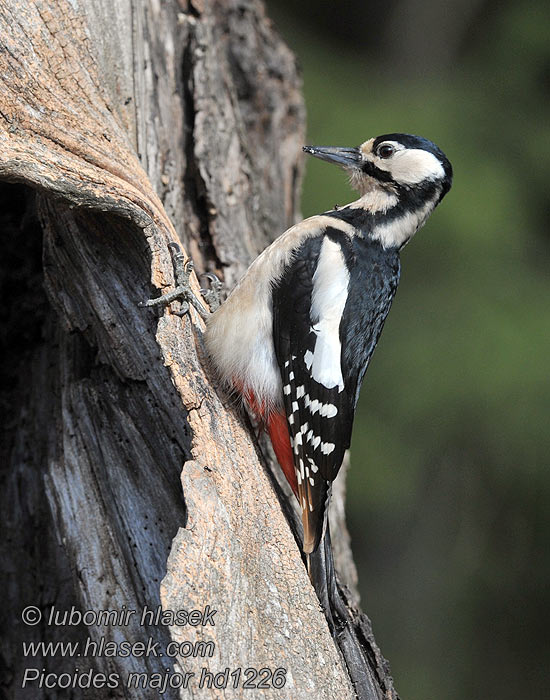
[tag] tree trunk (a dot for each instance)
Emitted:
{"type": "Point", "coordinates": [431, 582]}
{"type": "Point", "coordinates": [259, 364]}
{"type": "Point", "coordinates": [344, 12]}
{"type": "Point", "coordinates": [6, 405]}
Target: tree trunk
{"type": "Point", "coordinates": [128, 482]}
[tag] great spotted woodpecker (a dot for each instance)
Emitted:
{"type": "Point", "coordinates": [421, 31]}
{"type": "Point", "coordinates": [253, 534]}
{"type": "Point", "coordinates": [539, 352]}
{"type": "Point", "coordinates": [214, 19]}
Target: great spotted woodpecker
{"type": "Point", "coordinates": [295, 336]}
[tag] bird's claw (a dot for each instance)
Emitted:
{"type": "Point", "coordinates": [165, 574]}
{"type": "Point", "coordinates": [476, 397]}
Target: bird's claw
{"type": "Point", "coordinates": [212, 294]}
{"type": "Point", "coordinates": [183, 292]}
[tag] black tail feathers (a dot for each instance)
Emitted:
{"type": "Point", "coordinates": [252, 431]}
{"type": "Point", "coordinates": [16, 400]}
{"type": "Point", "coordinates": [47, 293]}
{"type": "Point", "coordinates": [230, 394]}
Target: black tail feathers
{"type": "Point", "coordinates": [323, 579]}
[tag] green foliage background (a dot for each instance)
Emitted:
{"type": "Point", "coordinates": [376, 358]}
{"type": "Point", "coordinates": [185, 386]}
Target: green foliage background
{"type": "Point", "coordinates": [449, 491]}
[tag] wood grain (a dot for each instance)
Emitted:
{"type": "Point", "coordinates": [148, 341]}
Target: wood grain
{"type": "Point", "coordinates": [127, 480]}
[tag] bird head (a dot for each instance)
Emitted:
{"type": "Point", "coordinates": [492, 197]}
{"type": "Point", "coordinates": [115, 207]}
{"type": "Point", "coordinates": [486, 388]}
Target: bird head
{"type": "Point", "coordinates": [399, 163]}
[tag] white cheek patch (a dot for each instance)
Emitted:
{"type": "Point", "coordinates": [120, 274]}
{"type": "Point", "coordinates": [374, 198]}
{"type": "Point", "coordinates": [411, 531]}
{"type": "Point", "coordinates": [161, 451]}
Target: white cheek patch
{"type": "Point", "coordinates": [410, 166]}
{"type": "Point", "coordinates": [330, 292]}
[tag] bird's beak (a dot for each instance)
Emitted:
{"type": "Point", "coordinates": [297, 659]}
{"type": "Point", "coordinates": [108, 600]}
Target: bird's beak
{"type": "Point", "coordinates": [346, 157]}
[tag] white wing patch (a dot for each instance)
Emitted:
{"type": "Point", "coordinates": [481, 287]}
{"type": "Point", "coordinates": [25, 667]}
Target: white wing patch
{"type": "Point", "coordinates": [328, 410]}
{"type": "Point", "coordinates": [330, 292]}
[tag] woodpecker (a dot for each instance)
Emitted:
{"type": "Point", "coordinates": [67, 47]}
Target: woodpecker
{"type": "Point", "coordinates": [295, 336]}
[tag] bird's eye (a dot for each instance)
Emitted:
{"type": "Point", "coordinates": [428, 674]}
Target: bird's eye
{"type": "Point", "coordinates": [386, 150]}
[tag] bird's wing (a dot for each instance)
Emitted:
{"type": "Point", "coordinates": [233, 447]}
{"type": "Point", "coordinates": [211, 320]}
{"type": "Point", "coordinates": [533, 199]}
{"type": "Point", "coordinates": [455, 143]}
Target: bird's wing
{"type": "Point", "coordinates": [326, 321]}
{"type": "Point", "coordinates": [308, 303]}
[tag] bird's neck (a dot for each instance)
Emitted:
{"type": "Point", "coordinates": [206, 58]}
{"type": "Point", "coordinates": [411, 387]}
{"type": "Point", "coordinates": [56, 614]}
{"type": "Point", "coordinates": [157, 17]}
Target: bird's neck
{"type": "Point", "coordinates": [375, 197]}
{"type": "Point", "coordinates": [391, 215]}
{"type": "Point", "coordinates": [399, 225]}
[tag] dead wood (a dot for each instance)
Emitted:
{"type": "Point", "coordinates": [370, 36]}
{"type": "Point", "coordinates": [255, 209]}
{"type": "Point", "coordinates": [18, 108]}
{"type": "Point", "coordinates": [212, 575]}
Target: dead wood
{"type": "Point", "coordinates": [127, 480]}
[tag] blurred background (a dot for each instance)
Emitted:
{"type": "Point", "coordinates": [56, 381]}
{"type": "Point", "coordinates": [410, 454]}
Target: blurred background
{"type": "Point", "coordinates": [449, 490]}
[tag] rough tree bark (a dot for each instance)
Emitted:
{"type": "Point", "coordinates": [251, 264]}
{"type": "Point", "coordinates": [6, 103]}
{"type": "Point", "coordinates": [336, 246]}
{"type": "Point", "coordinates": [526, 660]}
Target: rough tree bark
{"type": "Point", "coordinates": [128, 482]}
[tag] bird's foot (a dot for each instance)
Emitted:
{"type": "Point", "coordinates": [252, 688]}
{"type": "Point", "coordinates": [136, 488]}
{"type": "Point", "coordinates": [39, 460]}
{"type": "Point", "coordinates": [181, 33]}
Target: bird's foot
{"type": "Point", "coordinates": [212, 294]}
{"type": "Point", "coordinates": [183, 292]}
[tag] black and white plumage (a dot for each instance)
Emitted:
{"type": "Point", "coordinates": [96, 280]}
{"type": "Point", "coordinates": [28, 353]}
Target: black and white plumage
{"type": "Point", "coordinates": [296, 335]}
{"type": "Point", "coordinates": [328, 311]}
